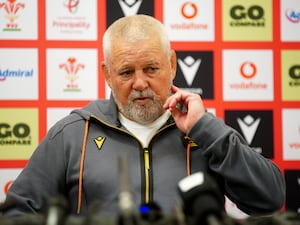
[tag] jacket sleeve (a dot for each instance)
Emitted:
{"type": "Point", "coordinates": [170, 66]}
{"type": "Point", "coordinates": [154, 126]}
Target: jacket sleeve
{"type": "Point", "coordinates": [42, 178]}
{"type": "Point", "coordinates": [250, 180]}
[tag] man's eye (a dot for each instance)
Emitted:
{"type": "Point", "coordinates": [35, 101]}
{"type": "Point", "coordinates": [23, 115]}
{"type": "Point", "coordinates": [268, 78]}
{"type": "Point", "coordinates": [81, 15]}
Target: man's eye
{"type": "Point", "coordinates": [126, 73]}
{"type": "Point", "coordinates": [151, 70]}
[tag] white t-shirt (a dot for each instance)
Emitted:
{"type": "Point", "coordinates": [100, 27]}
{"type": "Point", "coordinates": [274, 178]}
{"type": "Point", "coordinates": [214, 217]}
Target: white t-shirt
{"type": "Point", "coordinates": [144, 132]}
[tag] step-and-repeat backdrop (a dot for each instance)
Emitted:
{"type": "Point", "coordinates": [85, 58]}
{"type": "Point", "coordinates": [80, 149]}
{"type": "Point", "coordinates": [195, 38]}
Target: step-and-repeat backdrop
{"type": "Point", "coordinates": [241, 56]}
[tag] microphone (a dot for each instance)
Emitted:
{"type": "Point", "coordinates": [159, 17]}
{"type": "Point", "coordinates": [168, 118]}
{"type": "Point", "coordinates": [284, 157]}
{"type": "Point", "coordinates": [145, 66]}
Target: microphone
{"type": "Point", "coordinates": [203, 202]}
{"type": "Point", "coordinates": [7, 205]}
{"type": "Point", "coordinates": [126, 204]}
{"type": "Point", "coordinates": [26, 219]}
{"type": "Point", "coordinates": [278, 218]}
{"type": "Point", "coordinates": [56, 211]}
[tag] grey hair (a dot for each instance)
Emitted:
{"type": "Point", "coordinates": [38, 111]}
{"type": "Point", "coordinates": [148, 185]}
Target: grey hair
{"type": "Point", "coordinates": [134, 28]}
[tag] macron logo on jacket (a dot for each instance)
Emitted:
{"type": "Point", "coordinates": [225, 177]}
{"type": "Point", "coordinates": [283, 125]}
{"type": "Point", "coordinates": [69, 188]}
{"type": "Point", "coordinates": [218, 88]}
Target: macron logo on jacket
{"type": "Point", "coordinates": [99, 141]}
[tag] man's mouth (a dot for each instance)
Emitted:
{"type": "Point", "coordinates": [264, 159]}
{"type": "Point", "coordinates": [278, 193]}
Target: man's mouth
{"type": "Point", "coordinates": [142, 100]}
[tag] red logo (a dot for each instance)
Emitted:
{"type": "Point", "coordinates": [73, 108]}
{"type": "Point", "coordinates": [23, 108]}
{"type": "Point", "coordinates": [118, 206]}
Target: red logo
{"type": "Point", "coordinates": [7, 186]}
{"type": "Point", "coordinates": [71, 68]}
{"type": "Point", "coordinates": [248, 70]}
{"type": "Point", "coordinates": [72, 5]}
{"type": "Point", "coordinates": [189, 10]}
{"type": "Point", "coordinates": [11, 8]}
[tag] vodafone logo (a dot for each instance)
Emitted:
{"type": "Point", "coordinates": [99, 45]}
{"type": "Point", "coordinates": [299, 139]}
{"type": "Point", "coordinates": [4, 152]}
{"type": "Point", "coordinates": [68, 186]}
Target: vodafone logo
{"type": "Point", "coordinates": [248, 70]}
{"type": "Point", "coordinates": [251, 77]}
{"type": "Point", "coordinates": [189, 20]}
{"type": "Point", "coordinates": [189, 10]}
{"type": "Point", "coordinates": [7, 186]}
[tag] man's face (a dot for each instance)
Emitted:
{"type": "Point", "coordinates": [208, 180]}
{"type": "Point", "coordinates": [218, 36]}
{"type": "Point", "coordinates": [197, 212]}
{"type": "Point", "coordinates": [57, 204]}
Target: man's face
{"type": "Point", "coordinates": [140, 78]}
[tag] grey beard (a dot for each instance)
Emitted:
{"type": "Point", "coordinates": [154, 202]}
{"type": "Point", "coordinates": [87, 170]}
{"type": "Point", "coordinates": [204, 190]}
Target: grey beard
{"type": "Point", "coordinates": [143, 114]}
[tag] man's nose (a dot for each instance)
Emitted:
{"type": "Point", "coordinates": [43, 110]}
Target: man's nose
{"type": "Point", "coordinates": [140, 81]}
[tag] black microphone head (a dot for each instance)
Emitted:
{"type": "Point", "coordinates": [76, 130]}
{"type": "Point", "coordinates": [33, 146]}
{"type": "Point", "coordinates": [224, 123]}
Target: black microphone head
{"type": "Point", "coordinates": [58, 201]}
{"type": "Point", "coordinates": [8, 204]}
{"type": "Point", "coordinates": [201, 197]}
{"type": "Point", "coordinates": [57, 208]}
{"type": "Point", "coordinates": [277, 218]}
{"type": "Point", "coordinates": [150, 212]}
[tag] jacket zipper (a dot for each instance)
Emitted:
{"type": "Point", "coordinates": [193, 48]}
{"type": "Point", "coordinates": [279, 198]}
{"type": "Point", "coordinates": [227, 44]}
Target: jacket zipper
{"type": "Point", "coordinates": [147, 163]}
{"type": "Point", "coordinates": [146, 154]}
{"type": "Point", "coordinates": [147, 174]}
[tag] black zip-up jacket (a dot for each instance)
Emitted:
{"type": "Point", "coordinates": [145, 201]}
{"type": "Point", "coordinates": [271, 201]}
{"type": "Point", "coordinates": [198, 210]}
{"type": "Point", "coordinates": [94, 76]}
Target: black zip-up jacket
{"type": "Point", "coordinates": [79, 159]}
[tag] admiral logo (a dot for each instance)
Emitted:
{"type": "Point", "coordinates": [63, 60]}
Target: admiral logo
{"type": "Point", "coordinates": [72, 5]}
{"type": "Point", "coordinates": [14, 134]}
{"type": "Point", "coordinates": [248, 71]}
{"type": "Point", "coordinates": [8, 73]}
{"type": "Point", "coordinates": [71, 68]}
{"type": "Point", "coordinates": [292, 179]}
{"type": "Point", "coordinates": [290, 20]}
{"type": "Point", "coordinates": [256, 127]}
{"type": "Point", "coordinates": [11, 8]}
{"type": "Point", "coordinates": [292, 15]}
{"type": "Point", "coordinates": [121, 8]}
{"type": "Point", "coordinates": [294, 73]}
{"type": "Point", "coordinates": [247, 17]}
{"type": "Point", "coordinates": [195, 72]}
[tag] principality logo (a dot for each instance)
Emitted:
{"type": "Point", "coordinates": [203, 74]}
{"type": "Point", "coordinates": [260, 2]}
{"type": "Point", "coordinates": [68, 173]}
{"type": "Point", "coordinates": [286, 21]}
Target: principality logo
{"type": "Point", "coordinates": [72, 5]}
{"type": "Point", "coordinates": [71, 67]}
{"type": "Point", "coordinates": [11, 7]}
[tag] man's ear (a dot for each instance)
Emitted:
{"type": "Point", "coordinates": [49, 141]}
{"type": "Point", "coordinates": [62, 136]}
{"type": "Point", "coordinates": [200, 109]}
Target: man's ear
{"type": "Point", "coordinates": [173, 64]}
{"type": "Point", "coordinates": [106, 74]}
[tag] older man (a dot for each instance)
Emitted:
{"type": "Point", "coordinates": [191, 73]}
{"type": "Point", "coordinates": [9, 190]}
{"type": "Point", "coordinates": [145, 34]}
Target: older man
{"type": "Point", "coordinates": [166, 133]}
